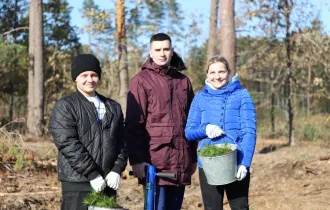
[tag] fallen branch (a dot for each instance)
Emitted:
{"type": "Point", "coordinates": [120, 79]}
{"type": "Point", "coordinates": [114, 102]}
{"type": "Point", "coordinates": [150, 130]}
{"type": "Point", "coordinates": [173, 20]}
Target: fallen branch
{"type": "Point", "coordinates": [324, 158]}
{"type": "Point", "coordinates": [47, 187]}
{"type": "Point", "coordinates": [29, 193]}
{"type": "Point", "coordinates": [8, 167]}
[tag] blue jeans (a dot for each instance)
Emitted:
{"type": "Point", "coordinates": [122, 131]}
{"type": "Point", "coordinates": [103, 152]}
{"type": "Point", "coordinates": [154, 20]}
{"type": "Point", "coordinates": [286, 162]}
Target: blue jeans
{"type": "Point", "coordinates": [169, 197]}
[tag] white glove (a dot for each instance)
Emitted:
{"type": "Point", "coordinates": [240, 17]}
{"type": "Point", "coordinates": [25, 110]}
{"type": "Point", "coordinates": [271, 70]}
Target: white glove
{"type": "Point", "coordinates": [113, 180]}
{"type": "Point", "coordinates": [98, 184]}
{"type": "Point", "coordinates": [213, 131]}
{"type": "Point", "coordinates": [241, 172]}
{"type": "Point", "coordinates": [139, 170]}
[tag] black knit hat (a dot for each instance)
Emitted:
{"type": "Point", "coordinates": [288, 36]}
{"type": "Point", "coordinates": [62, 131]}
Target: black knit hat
{"type": "Point", "coordinates": [85, 62]}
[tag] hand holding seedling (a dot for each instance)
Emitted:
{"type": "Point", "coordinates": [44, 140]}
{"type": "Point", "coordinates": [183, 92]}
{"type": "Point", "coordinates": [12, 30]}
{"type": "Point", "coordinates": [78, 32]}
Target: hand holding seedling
{"type": "Point", "coordinates": [98, 184]}
{"type": "Point", "coordinates": [113, 180]}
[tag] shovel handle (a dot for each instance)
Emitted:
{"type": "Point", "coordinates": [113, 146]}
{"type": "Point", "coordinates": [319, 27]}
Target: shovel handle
{"type": "Point", "coordinates": [166, 175]}
{"type": "Point", "coordinates": [160, 174]}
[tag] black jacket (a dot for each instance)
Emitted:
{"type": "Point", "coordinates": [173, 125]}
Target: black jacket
{"type": "Point", "coordinates": [87, 148]}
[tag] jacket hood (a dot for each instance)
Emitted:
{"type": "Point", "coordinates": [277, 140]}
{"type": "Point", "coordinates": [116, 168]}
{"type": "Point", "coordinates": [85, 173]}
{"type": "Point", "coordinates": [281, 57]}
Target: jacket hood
{"type": "Point", "coordinates": [233, 85]}
{"type": "Point", "coordinates": [176, 64]}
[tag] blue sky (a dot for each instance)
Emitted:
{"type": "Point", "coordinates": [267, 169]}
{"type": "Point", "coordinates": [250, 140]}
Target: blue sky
{"type": "Point", "coordinates": [196, 7]}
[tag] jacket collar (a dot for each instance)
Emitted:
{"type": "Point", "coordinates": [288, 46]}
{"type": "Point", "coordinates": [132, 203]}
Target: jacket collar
{"type": "Point", "coordinates": [176, 65]}
{"type": "Point", "coordinates": [230, 87]}
{"type": "Point", "coordinates": [108, 112]}
{"type": "Point", "coordinates": [81, 96]}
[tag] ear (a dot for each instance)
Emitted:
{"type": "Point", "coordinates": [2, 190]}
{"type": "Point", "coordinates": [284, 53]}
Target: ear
{"type": "Point", "coordinates": [150, 54]}
{"type": "Point", "coordinates": [172, 50]}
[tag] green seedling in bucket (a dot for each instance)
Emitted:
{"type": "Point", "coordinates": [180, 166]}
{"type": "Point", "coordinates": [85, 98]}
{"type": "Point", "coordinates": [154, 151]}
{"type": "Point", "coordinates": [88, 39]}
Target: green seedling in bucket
{"type": "Point", "coordinates": [213, 151]}
{"type": "Point", "coordinates": [100, 200]}
{"type": "Point", "coordinates": [219, 163]}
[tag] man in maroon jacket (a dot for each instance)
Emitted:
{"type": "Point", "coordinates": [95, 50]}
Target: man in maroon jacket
{"type": "Point", "coordinates": [158, 102]}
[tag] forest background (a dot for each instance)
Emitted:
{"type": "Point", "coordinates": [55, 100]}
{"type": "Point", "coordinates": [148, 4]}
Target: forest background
{"type": "Point", "coordinates": [274, 72]}
{"type": "Point", "coordinates": [281, 53]}
{"type": "Point", "coordinates": [279, 48]}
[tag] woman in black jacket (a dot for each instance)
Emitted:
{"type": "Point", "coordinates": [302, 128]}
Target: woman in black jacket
{"type": "Point", "coordinates": [87, 129]}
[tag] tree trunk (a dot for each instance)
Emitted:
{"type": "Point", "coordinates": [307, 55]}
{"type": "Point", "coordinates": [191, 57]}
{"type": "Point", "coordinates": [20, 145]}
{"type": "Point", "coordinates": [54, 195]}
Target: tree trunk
{"type": "Point", "coordinates": [272, 105]}
{"type": "Point", "coordinates": [36, 126]}
{"type": "Point", "coordinates": [308, 91]}
{"type": "Point", "coordinates": [39, 71]}
{"type": "Point", "coordinates": [30, 97]}
{"type": "Point", "coordinates": [228, 33]}
{"type": "Point", "coordinates": [11, 100]}
{"type": "Point", "coordinates": [122, 50]}
{"type": "Point", "coordinates": [11, 84]}
{"type": "Point", "coordinates": [212, 46]}
{"type": "Point", "coordinates": [287, 12]}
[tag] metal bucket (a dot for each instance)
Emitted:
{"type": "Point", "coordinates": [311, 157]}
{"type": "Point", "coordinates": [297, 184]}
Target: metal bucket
{"type": "Point", "coordinates": [101, 208]}
{"type": "Point", "coordinates": [221, 170]}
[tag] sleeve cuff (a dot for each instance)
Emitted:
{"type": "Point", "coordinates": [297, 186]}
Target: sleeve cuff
{"type": "Point", "coordinates": [93, 175]}
{"type": "Point", "coordinates": [117, 169]}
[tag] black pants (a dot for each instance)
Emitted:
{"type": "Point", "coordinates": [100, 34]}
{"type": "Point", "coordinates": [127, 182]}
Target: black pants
{"type": "Point", "coordinates": [237, 193]}
{"type": "Point", "coordinates": [73, 199]}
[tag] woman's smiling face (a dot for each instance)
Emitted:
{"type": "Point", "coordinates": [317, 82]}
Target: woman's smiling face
{"type": "Point", "coordinates": [218, 75]}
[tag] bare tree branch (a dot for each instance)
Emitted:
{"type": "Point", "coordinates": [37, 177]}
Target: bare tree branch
{"type": "Point", "coordinates": [16, 29]}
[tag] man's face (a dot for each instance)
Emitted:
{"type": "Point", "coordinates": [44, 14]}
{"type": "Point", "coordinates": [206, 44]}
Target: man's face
{"type": "Point", "coordinates": [161, 52]}
{"type": "Point", "coordinates": [87, 83]}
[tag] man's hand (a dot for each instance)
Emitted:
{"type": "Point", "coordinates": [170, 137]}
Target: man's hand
{"type": "Point", "coordinates": [98, 184]}
{"type": "Point", "coordinates": [213, 131]}
{"type": "Point", "coordinates": [113, 180]}
{"type": "Point", "coordinates": [241, 172]}
{"type": "Point", "coordinates": [139, 170]}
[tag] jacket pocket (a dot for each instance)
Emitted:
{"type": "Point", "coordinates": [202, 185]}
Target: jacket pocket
{"type": "Point", "coordinates": [159, 135]}
{"type": "Point", "coordinates": [160, 131]}
{"type": "Point", "coordinates": [160, 152]}
{"type": "Point", "coordinates": [160, 117]}
{"type": "Point", "coordinates": [157, 143]}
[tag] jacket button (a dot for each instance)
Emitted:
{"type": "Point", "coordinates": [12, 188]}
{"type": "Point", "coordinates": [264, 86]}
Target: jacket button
{"type": "Point", "coordinates": [223, 107]}
{"type": "Point", "coordinates": [221, 120]}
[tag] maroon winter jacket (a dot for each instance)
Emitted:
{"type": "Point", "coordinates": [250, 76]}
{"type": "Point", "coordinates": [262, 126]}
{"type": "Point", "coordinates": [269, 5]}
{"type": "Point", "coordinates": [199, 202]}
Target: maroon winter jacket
{"type": "Point", "coordinates": [158, 103]}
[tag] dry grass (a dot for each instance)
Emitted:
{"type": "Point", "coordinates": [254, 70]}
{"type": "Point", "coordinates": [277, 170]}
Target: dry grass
{"type": "Point", "coordinates": [14, 149]}
{"type": "Point", "coordinates": [314, 128]}
{"type": "Point", "coordinates": [285, 178]}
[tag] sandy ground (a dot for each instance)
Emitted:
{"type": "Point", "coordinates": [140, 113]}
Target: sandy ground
{"type": "Point", "coordinates": [282, 178]}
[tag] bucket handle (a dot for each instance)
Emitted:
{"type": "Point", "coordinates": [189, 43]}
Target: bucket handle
{"type": "Point", "coordinates": [235, 141]}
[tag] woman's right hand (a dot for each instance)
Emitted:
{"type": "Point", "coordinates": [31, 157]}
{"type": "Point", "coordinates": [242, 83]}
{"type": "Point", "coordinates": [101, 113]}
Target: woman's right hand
{"type": "Point", "coordinates": [213, 131]}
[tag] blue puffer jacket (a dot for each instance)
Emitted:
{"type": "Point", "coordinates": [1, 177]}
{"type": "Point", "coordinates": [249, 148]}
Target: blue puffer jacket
{"type": "Point", "coordinates": [232, 109]}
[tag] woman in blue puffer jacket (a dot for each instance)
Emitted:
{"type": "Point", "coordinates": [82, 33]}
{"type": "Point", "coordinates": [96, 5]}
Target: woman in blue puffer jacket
{"type": "Point", "coordinates": [224, 112]}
